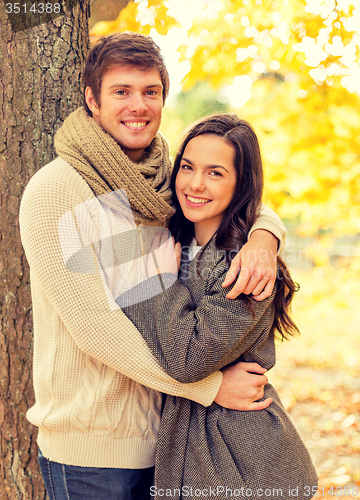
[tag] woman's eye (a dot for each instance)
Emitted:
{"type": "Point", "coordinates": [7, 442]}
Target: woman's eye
{"type": "Point", "coordinates": [186, 167]}
{"type": "Point", "coordinates": [215, 173]}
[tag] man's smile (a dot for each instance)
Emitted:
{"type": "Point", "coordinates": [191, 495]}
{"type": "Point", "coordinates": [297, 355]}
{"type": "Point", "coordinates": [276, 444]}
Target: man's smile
{"type": "Point", "coordinates": [135, 125]}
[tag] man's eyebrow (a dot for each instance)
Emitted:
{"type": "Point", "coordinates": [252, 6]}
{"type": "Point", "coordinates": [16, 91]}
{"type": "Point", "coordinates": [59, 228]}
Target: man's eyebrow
{"type": "Point", "coordinates": [128, 86]}
{"type": "Point", "coordinates": [206, 166]}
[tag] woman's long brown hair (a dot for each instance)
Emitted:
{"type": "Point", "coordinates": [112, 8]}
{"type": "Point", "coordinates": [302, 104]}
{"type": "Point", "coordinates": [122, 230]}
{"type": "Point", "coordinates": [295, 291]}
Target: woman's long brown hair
{"type": "Point", "coordinates": [243, 210]}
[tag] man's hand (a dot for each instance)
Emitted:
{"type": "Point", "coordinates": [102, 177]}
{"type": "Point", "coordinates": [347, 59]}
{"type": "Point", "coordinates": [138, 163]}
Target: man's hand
{"type": "Point", "coordinates": [256, 262]}
{"type": "Point", "coordinates": [240, 387]}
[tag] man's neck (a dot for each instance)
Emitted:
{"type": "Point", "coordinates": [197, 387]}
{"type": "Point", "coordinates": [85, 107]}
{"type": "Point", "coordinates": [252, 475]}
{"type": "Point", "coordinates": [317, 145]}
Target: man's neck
{"type": "Point", "coordinates": [135, 156]}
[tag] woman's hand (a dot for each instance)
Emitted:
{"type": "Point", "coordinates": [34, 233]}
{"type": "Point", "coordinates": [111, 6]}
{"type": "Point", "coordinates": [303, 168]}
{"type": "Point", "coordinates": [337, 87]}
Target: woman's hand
{"type": "Point", "coordinates": [164, 255]}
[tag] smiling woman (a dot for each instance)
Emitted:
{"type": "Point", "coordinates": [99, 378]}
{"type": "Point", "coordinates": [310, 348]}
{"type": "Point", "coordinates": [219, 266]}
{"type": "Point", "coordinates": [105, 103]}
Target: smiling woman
{"type": "Point", "coordinates": [193, 328]}
{"type": "Point", "coordinates": [205, 183]}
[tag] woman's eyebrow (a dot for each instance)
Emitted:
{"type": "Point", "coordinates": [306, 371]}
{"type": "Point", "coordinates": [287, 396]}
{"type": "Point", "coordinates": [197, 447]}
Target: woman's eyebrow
{"type": "Point", "coordinates": [206, 166]}
{"type": "Point", "coordinates": [187, 160]}
{"type": "Point", "coordinates": [217, 166]}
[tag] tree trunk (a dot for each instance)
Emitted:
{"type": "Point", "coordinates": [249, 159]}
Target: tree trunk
{"type": "Point", "coordinates": [105, 10]}
{"type": "Point", "coordinates": [41, 71]}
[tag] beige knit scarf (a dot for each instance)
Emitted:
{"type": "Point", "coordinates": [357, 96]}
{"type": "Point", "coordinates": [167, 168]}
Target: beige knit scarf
{"type": "Point", "coordinates": [101, 162]}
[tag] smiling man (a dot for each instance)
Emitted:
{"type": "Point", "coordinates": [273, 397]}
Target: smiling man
{"type": "Point", "coordinates": [97, 386]}
{"type": "Point", "coordinates": [130, 110]}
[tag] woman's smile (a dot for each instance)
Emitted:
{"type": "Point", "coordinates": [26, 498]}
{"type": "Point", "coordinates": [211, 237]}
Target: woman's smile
{"type": "Point", "coordinates": [193, 201]}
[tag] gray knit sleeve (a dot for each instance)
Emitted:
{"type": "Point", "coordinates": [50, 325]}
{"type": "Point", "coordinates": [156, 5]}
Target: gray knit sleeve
{"type": "Point", "coordinates": [192, 336]}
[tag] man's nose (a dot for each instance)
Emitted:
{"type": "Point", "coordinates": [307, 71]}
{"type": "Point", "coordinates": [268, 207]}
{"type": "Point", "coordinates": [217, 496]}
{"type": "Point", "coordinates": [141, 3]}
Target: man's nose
{"type": "Point", "coordinates": [137, 104]}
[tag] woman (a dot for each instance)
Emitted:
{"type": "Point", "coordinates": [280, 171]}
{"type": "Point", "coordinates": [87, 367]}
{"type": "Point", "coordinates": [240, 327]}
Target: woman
{"type": "Point", "coordinates": [193, 329]}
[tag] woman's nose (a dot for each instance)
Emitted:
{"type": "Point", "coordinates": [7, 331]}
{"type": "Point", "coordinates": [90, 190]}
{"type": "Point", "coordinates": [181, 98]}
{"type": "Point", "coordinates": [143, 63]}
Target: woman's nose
{"type": "Point", "coordinates": [197, 183]}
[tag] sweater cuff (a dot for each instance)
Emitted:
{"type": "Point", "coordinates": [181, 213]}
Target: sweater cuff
{"type": "Point", "coordinates": [270, 221]}
{"type": "Point", "coordinates": [205, 391]}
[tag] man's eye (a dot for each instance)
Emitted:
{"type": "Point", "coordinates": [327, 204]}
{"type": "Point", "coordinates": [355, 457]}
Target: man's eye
{"type": "Point", "coordinates": [121, 92]}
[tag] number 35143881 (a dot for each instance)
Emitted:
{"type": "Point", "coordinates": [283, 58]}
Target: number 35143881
{"type": "Point", "coordinates": [334, 491]}
{"type": "Point", "coordinates": [35, 8]}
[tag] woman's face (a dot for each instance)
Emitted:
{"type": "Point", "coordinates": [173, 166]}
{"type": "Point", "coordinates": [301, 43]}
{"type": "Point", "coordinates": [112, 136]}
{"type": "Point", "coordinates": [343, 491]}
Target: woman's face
{"type": "Point", "coordinates": [205, 183]}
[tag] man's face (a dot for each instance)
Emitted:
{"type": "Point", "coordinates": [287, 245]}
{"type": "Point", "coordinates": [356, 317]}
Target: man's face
{"type": "Point", "coordinates": [130, 107]}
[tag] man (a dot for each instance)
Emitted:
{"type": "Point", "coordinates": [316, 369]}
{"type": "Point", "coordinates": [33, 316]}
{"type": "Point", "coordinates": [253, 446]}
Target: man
{"type": "Point", "coordinates": [97, 386]}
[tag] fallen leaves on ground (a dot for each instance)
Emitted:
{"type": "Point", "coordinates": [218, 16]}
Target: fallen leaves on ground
{"type": "Point", "coordinates": [318, 378]}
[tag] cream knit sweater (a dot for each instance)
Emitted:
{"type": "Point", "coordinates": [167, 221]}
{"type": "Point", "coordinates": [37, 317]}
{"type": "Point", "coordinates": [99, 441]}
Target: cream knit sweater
{"type": "Point", "coordinates": [96, 382]}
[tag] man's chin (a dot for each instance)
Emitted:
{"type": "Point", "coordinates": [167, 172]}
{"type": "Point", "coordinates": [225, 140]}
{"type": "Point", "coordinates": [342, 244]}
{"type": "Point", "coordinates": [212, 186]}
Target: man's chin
{"type": "Point", "coordinates": [135, 154]}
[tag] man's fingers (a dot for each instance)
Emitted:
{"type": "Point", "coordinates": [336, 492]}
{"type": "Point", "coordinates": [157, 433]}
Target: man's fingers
{"type": "Point", "coordinates": [266, 292]}
{"type": "Point", "coordinates": [261, 380]}
{"type": "Point", "coordinates": [253, 283]}
{"type": "Point", "coordinates": [233, 271]}
{"type": "Point", "coordinates": [250, 281]}
{"type": "Point", "coordinates": [259, 288]}
{"type": "Point", "coordinates": [260, 405]}
{"type": "Point", "coordinates": [251, 367]}
{"type": "Point", "coordinates": [240, 284]}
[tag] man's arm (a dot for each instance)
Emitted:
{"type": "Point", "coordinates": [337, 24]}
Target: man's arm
{"type": "Point", "coordinates": [256, 261]}
{"type": "Point", "coordinates": [79, 299]}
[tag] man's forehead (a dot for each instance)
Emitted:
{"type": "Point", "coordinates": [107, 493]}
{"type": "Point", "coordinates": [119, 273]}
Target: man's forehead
{"type": "Point", "coordinates": [128, 69]}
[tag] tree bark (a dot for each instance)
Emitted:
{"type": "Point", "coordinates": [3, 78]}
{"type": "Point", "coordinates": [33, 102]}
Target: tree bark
{"type": "Point", "coordinates": [105, 10]}
{"type": "Point", "coordinates": [40, 84]}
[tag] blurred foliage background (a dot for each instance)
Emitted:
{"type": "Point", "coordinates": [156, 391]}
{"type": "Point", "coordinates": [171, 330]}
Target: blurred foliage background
{"type": "Point", "coordinates": [291, 68]}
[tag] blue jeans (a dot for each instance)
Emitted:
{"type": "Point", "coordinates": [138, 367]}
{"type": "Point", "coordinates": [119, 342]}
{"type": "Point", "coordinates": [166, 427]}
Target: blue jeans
{"type": "Point", "coordinates": [69, 482]}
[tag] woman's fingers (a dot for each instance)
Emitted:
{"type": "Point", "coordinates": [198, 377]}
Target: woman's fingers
{"type": "Point", "coordinates": [164, 255]}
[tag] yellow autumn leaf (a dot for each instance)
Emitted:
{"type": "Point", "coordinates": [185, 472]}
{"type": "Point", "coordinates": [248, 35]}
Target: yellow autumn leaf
{"type": "Point", "coordinates": [130, 19]}
{"type": "Point", "coordinates": [103, 28]}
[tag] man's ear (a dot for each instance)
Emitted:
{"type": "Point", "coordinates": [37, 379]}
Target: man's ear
{"type": "Point", "coordinates": [90, 101]}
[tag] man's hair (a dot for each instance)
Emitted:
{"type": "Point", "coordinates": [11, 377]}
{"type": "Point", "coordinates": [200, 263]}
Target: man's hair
{"type": "Point", "coordinates": [122, 49]}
